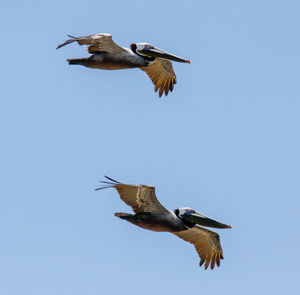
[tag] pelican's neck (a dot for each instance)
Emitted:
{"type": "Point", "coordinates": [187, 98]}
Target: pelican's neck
{"type": "Point", "coordinates": [185, 222]}
{"type": "Point", "coordinates": [145, 57]}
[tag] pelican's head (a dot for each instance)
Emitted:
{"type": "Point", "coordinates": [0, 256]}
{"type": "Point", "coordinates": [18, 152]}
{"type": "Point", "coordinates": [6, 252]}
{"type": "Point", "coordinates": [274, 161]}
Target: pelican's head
{"type": "Point", "coordinates": [148, 50]}
{"type": "Point", "coordinates": [191, 217]}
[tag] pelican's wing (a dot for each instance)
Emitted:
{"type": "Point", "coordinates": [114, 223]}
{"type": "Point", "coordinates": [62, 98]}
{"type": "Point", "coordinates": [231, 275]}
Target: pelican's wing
{"type": "Point", "coordinates": [162, 75]}
{"type": "Point", "coordinates": [206, 242]}
{"type": "Point", "coordinates": [98, 43]}
{"type": "Point", "coordinates": [141, 198]}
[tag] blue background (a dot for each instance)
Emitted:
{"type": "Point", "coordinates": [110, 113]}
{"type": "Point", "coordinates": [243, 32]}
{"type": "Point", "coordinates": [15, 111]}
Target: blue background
{"type": "Point", "coordinates": [225, 142]}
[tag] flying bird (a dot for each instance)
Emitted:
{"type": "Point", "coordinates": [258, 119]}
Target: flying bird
{"type": "Point", "coordinates": [108, 55]}
{"type": "Point", "coordinates": [183, 222]}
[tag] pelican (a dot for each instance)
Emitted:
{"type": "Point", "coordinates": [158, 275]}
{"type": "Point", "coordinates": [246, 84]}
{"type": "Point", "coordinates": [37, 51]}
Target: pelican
{"type": "Point", "coordinates": [183, 222]}
{"type": "Point", "coordinates": [108, 55]}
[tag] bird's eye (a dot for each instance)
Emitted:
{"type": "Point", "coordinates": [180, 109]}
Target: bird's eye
{"type": "Point", "coordinates": [133, 46]}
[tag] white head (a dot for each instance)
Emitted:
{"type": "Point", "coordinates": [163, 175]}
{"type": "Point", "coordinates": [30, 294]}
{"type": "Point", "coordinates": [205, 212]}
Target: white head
{"type": "Point", "coordinates": [191, 217]}
{"type": "Point", "coordinates": [151, 52]}
{"type": "Point", "coordinates": [143, 46]}
{"type": "Point", "coordinates": [181, 211]}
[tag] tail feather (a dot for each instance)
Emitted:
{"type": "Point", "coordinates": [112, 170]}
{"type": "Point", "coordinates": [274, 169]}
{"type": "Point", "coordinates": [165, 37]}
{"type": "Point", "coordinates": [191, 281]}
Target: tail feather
{"type": "Point", "coordinates": [123, 215]}
{"type": "Point", "coordinates": [77, 61]}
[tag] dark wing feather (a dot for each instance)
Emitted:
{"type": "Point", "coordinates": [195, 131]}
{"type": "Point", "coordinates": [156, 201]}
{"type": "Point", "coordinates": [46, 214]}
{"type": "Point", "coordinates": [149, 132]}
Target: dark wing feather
{"type": "Point", "coordinates": [141, 198]}
{"type": "Point", "coordinates": [98, 43]}
{"type": "Point", "coordinates": [206, 242]}
{"type": "Point", "coordinates": [162, 75]}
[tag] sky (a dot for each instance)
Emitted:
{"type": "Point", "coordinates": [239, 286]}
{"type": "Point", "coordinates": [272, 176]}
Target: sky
{"type": "Point", "coordinates": [225, 142]}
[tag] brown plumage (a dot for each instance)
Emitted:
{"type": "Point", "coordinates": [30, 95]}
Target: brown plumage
{"type": "Point", "coordinates": [162, 75]}
{"type": "Point", "coordinates": [108, 55]}
{"type": "Point", "coordinates": [206, 242]}
{"type": "Point", "coordinates": [98, 42]}
{"type": "Point", "coordinates": [140, 198]}
{"type": "Point", "coordinates": [152, 215]}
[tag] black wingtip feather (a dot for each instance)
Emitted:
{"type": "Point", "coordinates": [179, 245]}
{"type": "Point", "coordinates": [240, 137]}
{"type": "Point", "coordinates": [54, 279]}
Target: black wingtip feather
{"type": "Point", "coordinates": [67, 42]}
{"type": "Point", "coordinates": [102, 187]}
{"type": "Point", "coordinates": [113, 180]}
{"type": "Point", "coordinates": [201, 262]}
{"type": "Point", "coordinates": [107, 184]}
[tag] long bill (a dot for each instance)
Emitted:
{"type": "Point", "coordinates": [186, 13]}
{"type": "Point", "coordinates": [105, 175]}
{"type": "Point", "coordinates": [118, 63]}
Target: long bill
{"type": "Point", "coordinates": [156, 52]}
{"type": "Point", "coordinates": [203, 220]}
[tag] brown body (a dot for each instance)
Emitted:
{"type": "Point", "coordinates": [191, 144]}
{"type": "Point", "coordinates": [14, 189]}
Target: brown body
{"type": "Point", "coordinates": [108, 61]}
{"type": "Point", "coordinates": [152, 215]}
{"type": "Point", "coordinates": [160, 222]}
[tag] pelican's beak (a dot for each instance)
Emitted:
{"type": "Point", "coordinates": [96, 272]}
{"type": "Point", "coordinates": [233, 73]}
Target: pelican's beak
{"type": "Point", "coordinates": [203, 220]}
{"type": "Point", "coordinates": [156, 52]}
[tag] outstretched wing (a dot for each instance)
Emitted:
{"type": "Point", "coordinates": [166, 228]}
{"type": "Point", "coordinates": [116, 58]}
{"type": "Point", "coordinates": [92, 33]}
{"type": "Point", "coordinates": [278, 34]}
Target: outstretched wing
{"type": "Point", "coordinates": [98, 43]}
{"type": "Point", "coordinates": [141, 198]}
{"type": "Point", "coordinates": [162, 75]}
{"type": "Point", "coordinates": [206, 242]}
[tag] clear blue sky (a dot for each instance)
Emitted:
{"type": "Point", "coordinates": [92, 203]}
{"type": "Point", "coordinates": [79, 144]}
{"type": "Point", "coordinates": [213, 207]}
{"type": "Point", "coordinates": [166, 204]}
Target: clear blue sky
{"type": "Point", "coordinates": [226, 142]}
